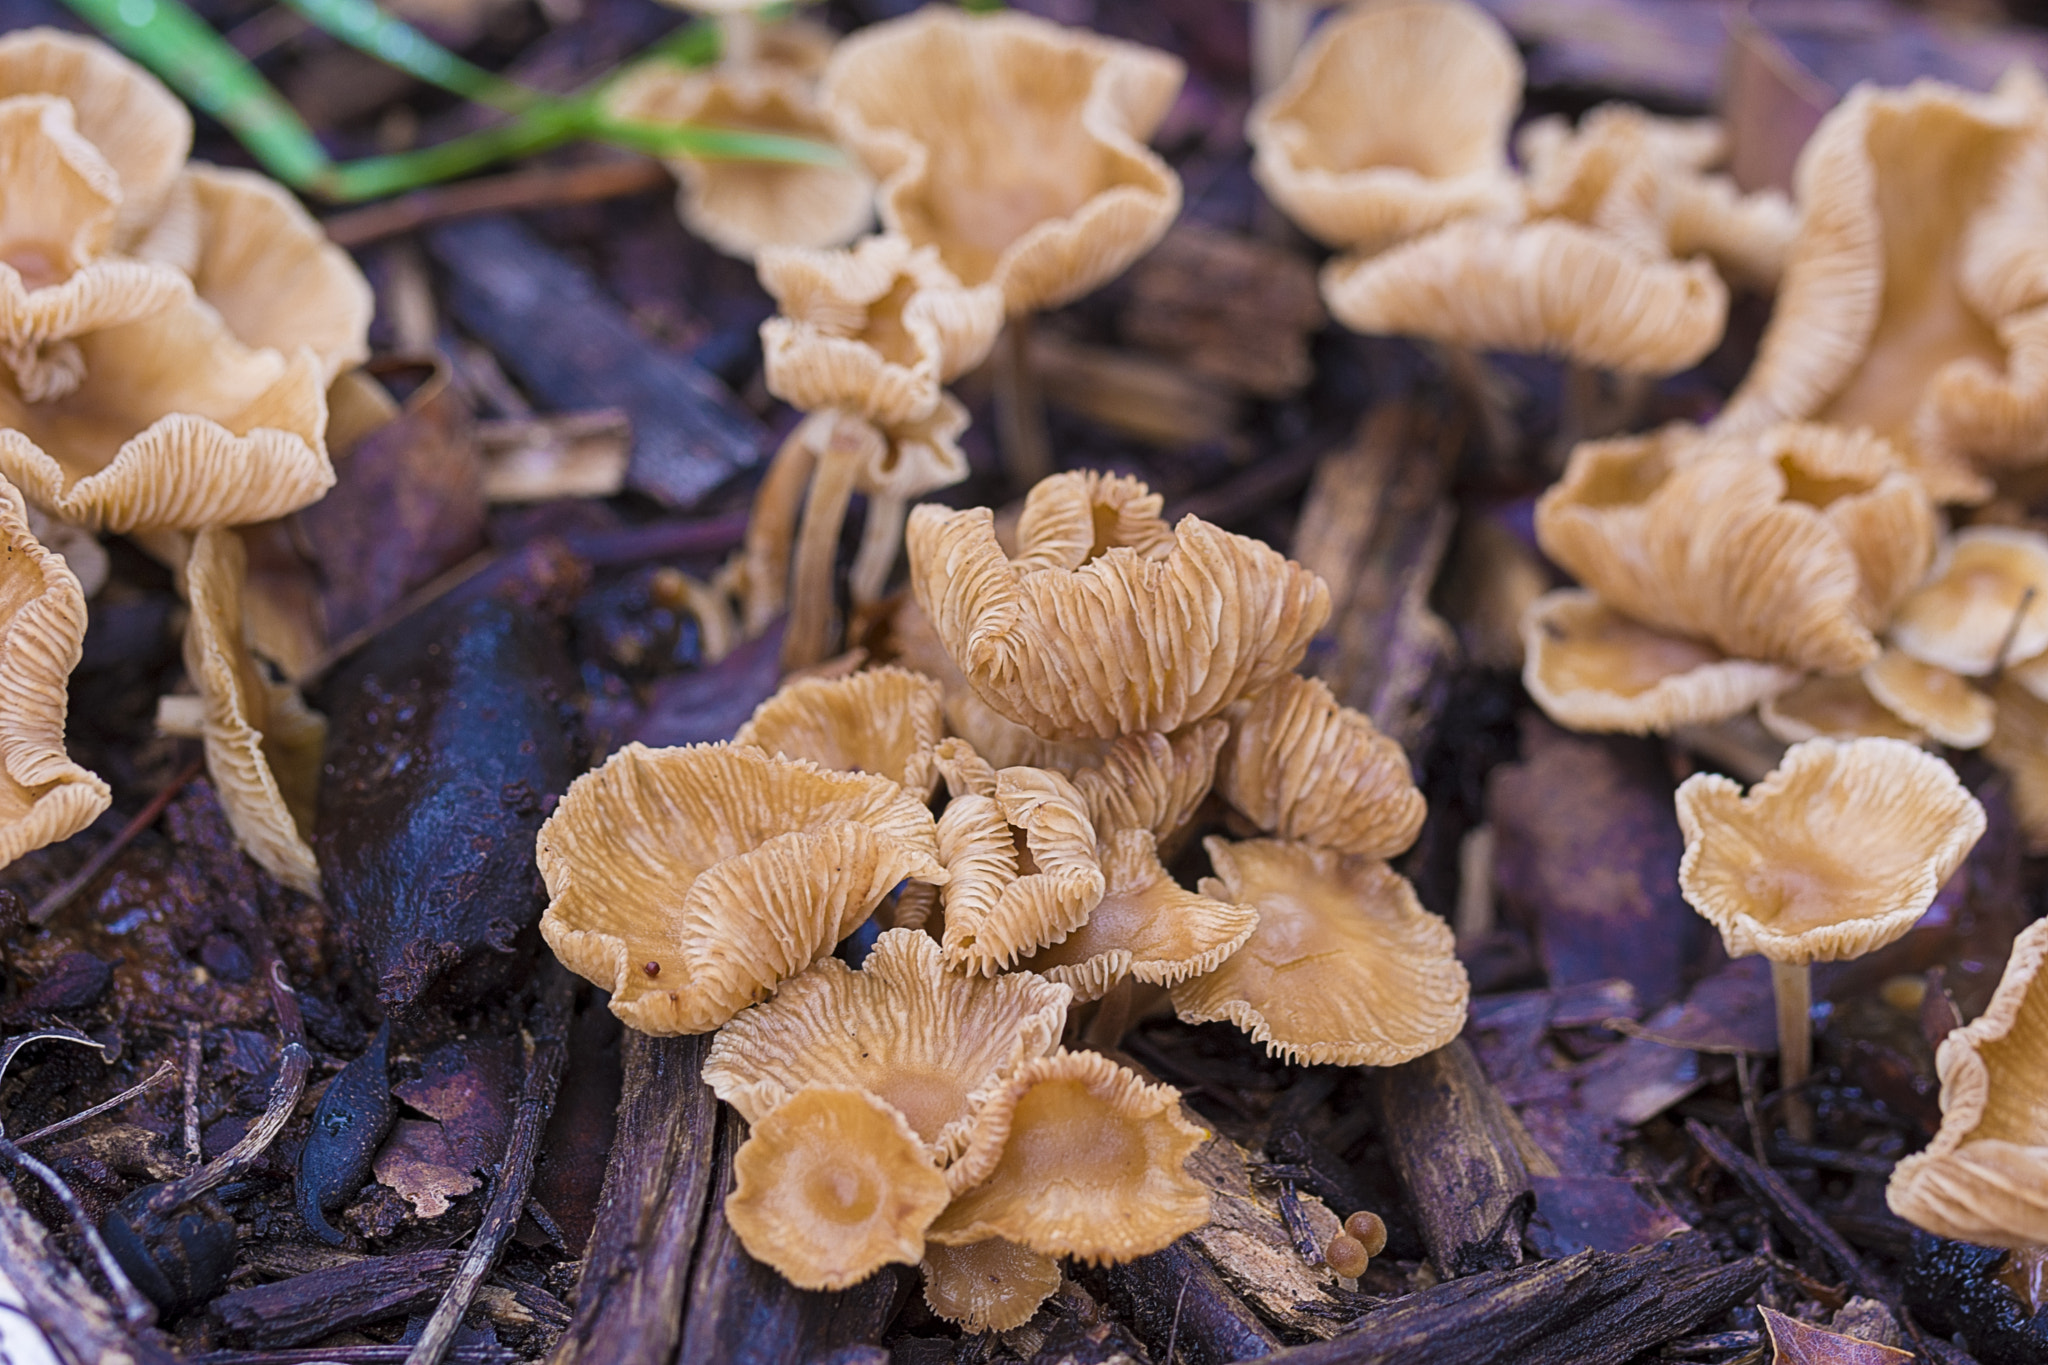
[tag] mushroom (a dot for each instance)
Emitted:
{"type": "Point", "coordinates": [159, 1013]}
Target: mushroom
{"type": "Point", "coordinates": [44, 796]}
{"type": "Point", "coordinates": [263, 743]}
{"type": "Point", "coordinates": [1097, 640]}
{"type": "Point", "coordinates": [1076, 1156]}
{"type": "Point", "coordinates": [1835, 853]}
{"type": "Point", "coordinates": [1931, 699]}
{"type": "Point", "coordinates": [832, 1185]}
{"type": "Point", "coordinates": [1345, 966]}
{"type": "Point", "coordinates": [1016, 148]}
{"type": "Point", "coordinates": [1908, 303]}
{"type": "Point", "coordinates": [1985, 605]}
{"type": "Point", "coordinates": [994, 736]}
{"type": "Point", "coordinates": [1151, 782]}
{"type": "Point", "coordinates": [689, 882]}
{"type": "Point", "coordinates": [1821, 707]}
{"type": "Point", "coordinates": [57, 278]}
{"type": "Point", "coordinates": [930, 1043]}
{"type": "Point", "coordinates": [2019, 746]}
{"type": "Point", "coordinates": [880, 720]}
{"type": "Point", "coordinates": [988, 1286]}
{"type": "Point", "coordinates": [1301, 767]}
{"type": "Point", "coordinates": [1984, 1178]}
{"type": "Point", "coordinates": [1591, 668]}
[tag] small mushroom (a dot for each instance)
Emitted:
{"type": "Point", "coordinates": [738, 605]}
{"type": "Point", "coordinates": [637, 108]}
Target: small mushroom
{"type": "Point", "coordinates": [1984, 1178]}
{"type": "Point", "coordinates": [1931, 699]}
{"type": "Point", "coordinates": [831, 1186]}
{"type": "Point", "coordinates": [1076, 1156]}
{"type": "Point", "coordinates": [689, 882]}
{"type": "Point", "coordinates": [44, 796]}
{"type": "Point", "coordinates": [1985, 605]}
{"type": "Point", "coordinates": [2019, 746]}
{"type": "Point", "coordinates": [1151, 782]}
{"type": "Point", "coordinates": [1591, 668]}
{"type": "Point", "coordinates": [1837, 852]}
{"type": "Point", "coordinates": [880, 720]}
{"type": "Point", "coordinates": [1301, 767]}
{"type": "Point", "coordinates": [1110, 640]}
{"type": "Point", "coordinates": [1345, 966]}
{"type": "Point", "coordinates": [987, 1286]}
{"type": "Point", "coordinates": [932, 1044]}
{"type": "Point", "coordinates": [1821, 707]}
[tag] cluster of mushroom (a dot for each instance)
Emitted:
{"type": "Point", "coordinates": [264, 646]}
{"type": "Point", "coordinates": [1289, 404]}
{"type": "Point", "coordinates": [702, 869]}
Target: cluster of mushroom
{"type": "Point", "coordinates": [168, 333]}
{"type": "Point", "coordinates": [1389, 141]}
{"type": "Point", "coordinates": [1099, 684]}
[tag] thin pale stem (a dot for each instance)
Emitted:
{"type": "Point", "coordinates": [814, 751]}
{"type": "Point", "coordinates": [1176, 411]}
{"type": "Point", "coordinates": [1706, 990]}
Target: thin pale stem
{"type": "Point", "coordinates": [850, 446]}
{"type": "Point", "coordinates": [771, 529]}
{"type": "Point", "coordinates": [1279, 28]}
{"type": "Point", "coordinates": [1020, 407]}
{"type": "Point", "coordinates": [739, 38]}
{"type": "Point", "coordinates": [881, 536]}
{"type": "Point", "coordinates": [1112, 1017]}
{"type": "Point", "coordinates": [1792, 984]}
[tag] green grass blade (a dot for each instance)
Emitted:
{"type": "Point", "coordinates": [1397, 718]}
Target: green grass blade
{"type": "Point", "coordinates": [363, 26]}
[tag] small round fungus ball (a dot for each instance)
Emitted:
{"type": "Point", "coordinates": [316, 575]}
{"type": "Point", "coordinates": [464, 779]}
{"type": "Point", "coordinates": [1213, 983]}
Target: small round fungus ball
{"type": "Point", "coordinates": [1346, 1255]}
{"type": "Point", "coordinates": [1369, 1229]}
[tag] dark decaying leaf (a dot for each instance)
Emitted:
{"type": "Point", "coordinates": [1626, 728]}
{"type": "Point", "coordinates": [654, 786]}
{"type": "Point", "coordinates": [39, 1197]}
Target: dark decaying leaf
{"type": "Point", "coordinates": [1796, 1343]}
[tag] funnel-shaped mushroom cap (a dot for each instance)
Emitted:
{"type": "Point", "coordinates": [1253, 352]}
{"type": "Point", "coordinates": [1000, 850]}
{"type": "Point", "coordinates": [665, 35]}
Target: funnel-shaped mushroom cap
{"type": "Point", "coordinates": [1393, 121]}
{"type": "Point", "coordinates": [1792, 558]}
{"type": "Point", "coordinates": [1591, 668]}
{"type": "Point", "coordinates": [882, 720]}
{"type": "Point", "coordinates": [932, 1043]}
{"type": "Point", "coordinates": [263, 743]}
{"type": "Point", "coordinates": [1145, 927]}
{"type": "Point", "coordinates": [875, 328]}
{"type": "Point", "coordinates": [1345, 965]}
{"type": "Point", "coordinates": [1823, 707]}
{"type": "Point", "coordinates": [1931, 699]}
{"type": "Point", "coordinates": [1013, 145]}
{"type": "Point", "coordinates": [1834, 854]}
{"type": "Point", "coordinates": [175, 425]}
{"type": "Point", "coordinates": [137, 124]}
{"type": "Point", "coordinates": [44, 796]}
{"type": "Point", "coordinates": [1896, 188]}
{"type": "Point", "coordinates": [58, 201]}
{"type": "Point", "coordinates": [1083, 1159]}
{"type": "Point", "coordinates": [1984, 1178]}
{"type": "Point", "coordinates": [1024, 867]}
{"type": "Point", "coordinates": [832, 1186]}
{"type": "Point", "coordinates": [1986, 605]}
{"type": "Point", "coordinates": [1552, 287]}
{"type": "Point", "coordinates": [2019, 746]}
{"type": "Point", "coordinates": [987, 1286]}
{"type": "Point", "coordinates": [259, 258]}
{"type": "Point", "coordinates": [689, 882]}
{"type": "Point", "coordinates": [742, 207]}
{"type": "Point", "coordinates": [1122, 643]}
{"type": "Point", "coordinates": [1151, 782]}
{"type": "Point", "coordinates": [1301, 767]}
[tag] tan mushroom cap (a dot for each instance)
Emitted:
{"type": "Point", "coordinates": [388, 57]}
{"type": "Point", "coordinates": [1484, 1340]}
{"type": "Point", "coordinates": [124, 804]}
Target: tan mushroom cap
{"type": "Point", "coordinates": [263, 744]}
{"type": "Point", "coordinates": [56, 226]}
{"type": "Point", "coordinates": [1788, 559]}
{"type": "Point", "coordinates": [1024, 868]}
{"type": "Point", "coordinates": [1145, 927]}
{"type": "Point", "coordinates": [44, 796]}
{"type": "Point", "coordinates": [1886, 292]}
{"type": "Point", "coordinates": [996, 737]}
{"type": "Point", "coordinates": [1986, 603]}
{"type": "Point", "coordinates": [137, 124]}
{"type": "Point", "coordinates": [1823, 707]}
{"type": "Point", "coordinates": [831, 1186]}
{"type": "Point", "coordinates": [724, 869]}
{"type": "Point", "coordinates": [987, 1286]}
{"type": "Point", "coordinates": [1122, 644]}
{"type": "Point", "coordinates": [880, 720]}
{"type": "Point", "coordinates": [742, 207]}
{"type": "Point", "coordinates": [1837, 852]}
{"type": "Point", "coordinates": [267, 266]}
{"type": "Point", "coordinates": [875, 328]}
{"type": "Point", "coordinates": [176, 425]}
{"type": "Point", "coordinates": [2019, 746]}
{"type": "Point", "coordinates": [1345, 965]}
{"type": "Point", "coordinates": [1984, 1178]}
{"type": "Point", "coordinates": [1590, 668]}
{"type": "Point", "coordinates": [1301, 767]}
{"type": "Point", "coordinates": [1083, 1159]}
{"type": "Point", "coordinates": [1393, 121]}
{"type": "Point", "coordinates": [1551, 287]}
{"type": "Point", "coordinates": [1013, 145]}
{"type": "Point", "coordinates": [931, 1043]}
{"type": "Point", "coordinates": [1931, 699]}
{"type": "Point", "coordinates": [1151, 782]}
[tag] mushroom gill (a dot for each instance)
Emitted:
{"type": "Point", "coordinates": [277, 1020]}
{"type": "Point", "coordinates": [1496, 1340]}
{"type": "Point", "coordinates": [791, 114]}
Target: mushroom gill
{"type": "Point", "coordinates": [988, 1286]}
{"type": "Point", "coordinates": [880, 720]}
{"type": "Point", "coordinates": [1022, 853]}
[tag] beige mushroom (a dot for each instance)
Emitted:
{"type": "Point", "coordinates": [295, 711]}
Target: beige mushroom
{"type": "Point", "coordinates": [1151, 782]}
{"type": "Point", "coordinates": [1821, 707]}
{"type": "Point", "coordinates": [880, 720]}
{"type": "Point", "coordinates": [2019, 746]}
{"type": "Point", "coordinates": [1985, 605]}
{"type": "Point", "coordinates": [987, 1286]}
{"type": "Point", "coordinates": [1931, 699]}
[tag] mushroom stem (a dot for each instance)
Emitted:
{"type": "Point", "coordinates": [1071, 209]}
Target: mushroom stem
{"type": "Point", "coordinates": [1279, 28]}
{"type": "Point", "coordinates": [881, 536]}
{"type": "Point", "coordinates": [1792, 984]}
{"type": "Point", "coordinates": [1106, 1030]}
{"type": "Point", "coordinates": [1489, 394]}
{"type": "Point", "coordinates": [1020, 407]}
{"type": "Point", "coordinates": [771, 528]}
{"type": "Point", "coordinates": [849, 446]}
{"type": "Point", "coordinates": [739, 38]}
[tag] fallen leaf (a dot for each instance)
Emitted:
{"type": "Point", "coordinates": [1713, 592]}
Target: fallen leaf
{"type": "Point", "coordinates": [1795, 1343]}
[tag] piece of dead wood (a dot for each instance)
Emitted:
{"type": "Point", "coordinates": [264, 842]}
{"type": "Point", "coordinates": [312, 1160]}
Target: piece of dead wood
{"type": "Point", "coordinates": [566, 455]}
{"type": "Point", "coordinates": [1152, 400]}
{"type": "Point", "coordinates": [1175, 1298]}
{"type": "Point", "coordinates": [1232, 310]}
{"type": "Point", "coordinates": [82, 1327]}
{"type": "Point", "coordinates": [321, 1302]}
{"type": "Point", "coordinates": [1375, 525]}
{"type": "Point", "coordinates": [1248, 1242]}
{"type": "Point", "coordinates": [1453, 1141]}
{"type": "Point", "coordinates": [1808, 1228]}
{"type": "Point", "coordinates": [629, 1299]}
{"type": "Point", "coordinates": [537, 187]}
{"type": "Point", "coordinates": [1595, 1308]}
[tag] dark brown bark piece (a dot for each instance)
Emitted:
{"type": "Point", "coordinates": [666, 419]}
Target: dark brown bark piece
{"type": "Point", "coordinates": [1808, 1228]}
{"type": "Point", "coordinates": [1175, 1296]}
{"type": "Point", "coordinates": [82, 1327]}
{"type": "Point", "coordinates": [307, 1307]}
